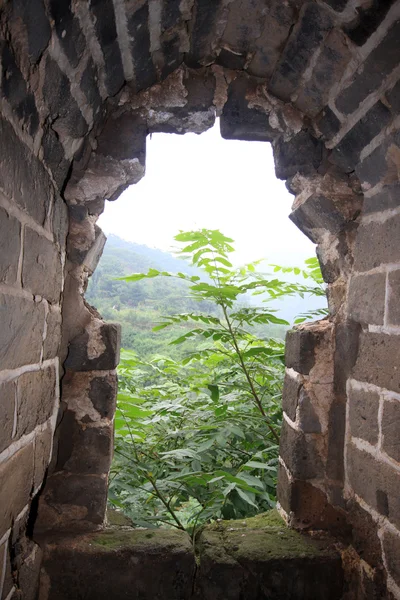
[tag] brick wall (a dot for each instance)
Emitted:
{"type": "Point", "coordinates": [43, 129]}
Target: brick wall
{"type": "Point", "coordinates": [82, 84]}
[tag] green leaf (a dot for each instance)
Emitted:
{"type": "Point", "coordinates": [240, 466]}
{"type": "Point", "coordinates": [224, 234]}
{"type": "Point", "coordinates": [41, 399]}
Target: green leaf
{"type": "Point", "coordinates": [214, 392]}
{"type": "Point", "coordinates": [246, 497]}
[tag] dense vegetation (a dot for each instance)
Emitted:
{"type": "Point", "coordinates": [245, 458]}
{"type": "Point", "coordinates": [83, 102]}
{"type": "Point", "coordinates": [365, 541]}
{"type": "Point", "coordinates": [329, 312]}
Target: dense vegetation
{"type": "Point", "coordinates": [197, 429]}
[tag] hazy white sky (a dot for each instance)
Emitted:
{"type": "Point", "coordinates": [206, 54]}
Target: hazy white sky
{"type": "Point", "coordinates": [195, 181]}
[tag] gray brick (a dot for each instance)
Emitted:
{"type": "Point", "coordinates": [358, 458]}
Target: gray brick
{"type": "Point", "coordinates": [391, 429]}
{"type": "Point", "coordinates": [23, 177]}
{"type": "Point", "coordinates": [382, 60]}
{"type": "Point", "coordinates": [41, 268]}
{"type": "Point", "coordinates": [10, 233]}
{"type": "Point", "coordinates": [7, 410]}
{"type": "Point", "coordinates": [393, 315]}
{"type": "Point", "coordinates": [388, 197]}
{"type": "Point", "coordinates": [363, 415]}
{"type": "Point", "coordinates": [290, 394]}
{"type": "Point", "coordinates": [304, 40]}
{"type": "Point", "coordinates": [36, 393]}
{"type": "Point", "coordinates": [378, 360]}
{"type": "Point", "coordinates": [391, 548]}
{"type": "Point", "coordinates": [300, 454]}
{"type": "Point", "coordinates": [21, 332]}
{"type": "Point", "coordinates": [375, 482]}
{"type": "Point", "coordinates": [347, 153]}
{"type": "Point", "coordinates": [377, 243]}
{"type": "Point", "coordinates": [366, 302]}
{"type": "Point", "coordinates": [16, 477]}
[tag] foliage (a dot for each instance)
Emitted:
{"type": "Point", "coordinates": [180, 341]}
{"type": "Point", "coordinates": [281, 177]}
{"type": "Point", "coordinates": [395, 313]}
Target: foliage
{"type": "Point", "coordinates": [197, 439]}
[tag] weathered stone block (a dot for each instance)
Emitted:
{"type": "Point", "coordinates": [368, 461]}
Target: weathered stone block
{"type": "Point", "coordinates": [363, 415]}
{"type": "Point", "coordinates": [347, 336]}
{"type": "Point", "coordinates": [90, 395]}
{"type": "Point", "coordinates": [377, 360]}
{"type": "Point", "coordinates": [145, 71]}
{"type": "Point", "coordinates": [5, 570]}
{"type": "Point", "coordinates": [377, 243]}
{"type": "Point", "coordinates": [393, 315]}
{"type": "Point", "coordinates": [161, 565]}
{"type": "Point", "coordinates": [41, 267]}
{"type": "Point", "coordinates": [10, 231]}
{"type": "Point", "coordinates": [43, 448]}
{"type": "Point", "coordinates": [370, 16]}
{"type": "Point", "coordinates": [332, 61]}
{"type": "Point", "coordinates": [23, 177]}
{"type": "Point", "coordinates": [85, 449]}
{"type": "Point", "coordinates": [299, 453]}
{"type": "Point", "coordinates": [36, 392]}
{"type": "Point", "coordinates": [269, 44]}
{"type": "Point", "coordinates": [302, 154]}
{"type": "Point", "coordinates": [381, 165]}
{"type": "Point", "coordinates": [328, 123]}
{"type": "Point", "coordinates": [318, 213]}
{"type": "Point", "coordinates": [365, 536]}
{"type": "Point", "coordinates": [388, 197]}
{"type": "Point", "coordinates": [393, 98]}
{"type": "Point", "coordinates": [336, 440]}
{"type": "Point", "coordinates": [106, 32]}
{"type": "Point", "coordinates": [52, 341]}
{"type": "Point", "coordinates": [14, 88]}
{"type": "Point", "coordinates": [37, 25]}
{"type": "Point", "coordinates": [29, 572]}
{"type": "Point", "coordinates": [239, 121]}
{"type": "Point", "coordinates": [205, 18]}
{"type": "Point", "coordinates": [308, 418]}
{"type": "Point", "coordinates": [54, 157]}
{"type": "Point", "coordinates": [375, 482]}
{"type": "Point", "coordinates": [64, 110]}
{"type": "Point", "coordinates": [305, 38]}
{"type": "Point", "coordinates": [366, 303]}
{"type": "Point", "coordinates": [300, 349]}
{"type": "Point", "coordinates": [7, 410]}
{"type": "Point", "coordinates": [372, 72]}
{"type": "Point", "coordinates": [257, 560]}
{"type": "Point", "coordinates": [308, 505]}
{"type": "Point", "coordinates": [89, 87]}
{"type": "Point", "coordinates": [347, 153]}
{"type": "Point", "coordinates": [391, 548]}
{"type": "Point", "coordinates": [290, 395]}
{"type": "Point", "coordinates": [16, 476]}
{"type": "Point", "coordinates": [21, 333]}
{"type": "Point", "coordinates": [106, 354]}
{"type": "Point", "coordinates": [72, 502]}
{"type": "Point", "coordinates": [391, 429]}
{"type": "Point", "coordinates": [68, 30]}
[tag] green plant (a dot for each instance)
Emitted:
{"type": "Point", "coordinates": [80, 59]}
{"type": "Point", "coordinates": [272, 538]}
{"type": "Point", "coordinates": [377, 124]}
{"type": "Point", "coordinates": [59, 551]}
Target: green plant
{"type": "Point", "coordinates": [197, 439]}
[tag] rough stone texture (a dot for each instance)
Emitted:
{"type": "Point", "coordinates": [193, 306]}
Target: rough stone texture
{"type": "Point", "coordinates": [36, 393]}
{"type": "Point", "coordinates": [393, 315]}
{"type": "Point", "coordinates": [300, 349]}
{"type": "Point", "coordinates": [41, 268]}
{"type": "Point", "coordinates": [258, 560]}
{"type": "Point", "coordinates": [390, 429]}
{"type": "Point", "coordinates": [378, 359]}
{"type": "Point", "coordinates": [9, 247]}
{"type": "Point", "coordinates": [16, 478]}
{"type": "Point", "coordinates": [21, 333]}
{"type": "Point", "coordinates": [375, 482]}
{"type": "Point", "coordinates": [7, 410]}
{"type": "Point", "coordinates": [302, 154]}
{"type": "Point", "coordinates": [23, 177]}
{"type": "Point", "coordinates": [300, 454]}
{"type": "Point", "coordinates": [81, 355]}
{"type": "Point", "coordinates": [376, 244]}
{"type": "Point", "coordinates": [366, 302]}
{"type": "Point", "coordinates": [388, 197]}
{"type": "Point", "coordinates": [391, 548]}
{"type": "Point", "coordinates": [290, 394]}
{"type": "Point", "coordinates": [72, 502]}
{"type": "Point", "coordinates": [363, 415]}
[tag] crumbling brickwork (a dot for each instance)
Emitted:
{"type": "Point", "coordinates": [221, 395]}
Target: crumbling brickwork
{"type": "Point", "coordinates": [82, 85]}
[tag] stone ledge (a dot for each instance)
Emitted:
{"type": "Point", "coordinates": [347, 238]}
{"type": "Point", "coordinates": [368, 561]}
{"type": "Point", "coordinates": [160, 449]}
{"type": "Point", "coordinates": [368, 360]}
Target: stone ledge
{"type": "Point", "coordinates": [252, 559]}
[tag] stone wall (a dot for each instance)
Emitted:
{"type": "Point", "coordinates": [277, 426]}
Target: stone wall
{"type": "Point", "coordinates": [82, 85]}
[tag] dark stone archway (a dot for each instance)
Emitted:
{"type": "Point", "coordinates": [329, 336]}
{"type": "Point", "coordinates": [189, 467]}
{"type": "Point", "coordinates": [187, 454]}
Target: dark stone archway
{"type": "Point", "coordinates": [82, 86]}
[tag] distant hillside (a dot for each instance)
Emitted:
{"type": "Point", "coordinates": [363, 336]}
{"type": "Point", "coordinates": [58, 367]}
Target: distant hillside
{"type": "Point", "coordinates": [139, 306]}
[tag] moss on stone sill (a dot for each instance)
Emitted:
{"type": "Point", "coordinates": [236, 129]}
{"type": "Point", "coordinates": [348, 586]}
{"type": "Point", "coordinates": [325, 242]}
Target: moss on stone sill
{"type": "Point", "coordinates": [261, 538]}
{"type": "Point", "coordinates": [114, 539]}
